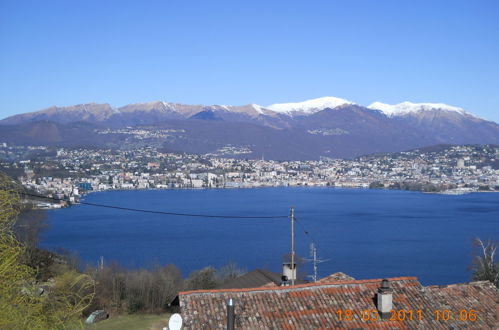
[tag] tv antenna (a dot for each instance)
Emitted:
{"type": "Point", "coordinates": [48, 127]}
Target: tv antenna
{"type": "Point", "coordinates": [315, 261]}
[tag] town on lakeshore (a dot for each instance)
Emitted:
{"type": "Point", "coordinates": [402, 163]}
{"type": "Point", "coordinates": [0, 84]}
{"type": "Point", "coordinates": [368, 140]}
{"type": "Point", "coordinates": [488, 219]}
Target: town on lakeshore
{"type": "Point", "coordinates": [68, 173]}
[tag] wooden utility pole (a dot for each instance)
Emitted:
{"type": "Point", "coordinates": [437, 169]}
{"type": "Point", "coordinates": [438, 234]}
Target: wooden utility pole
{"type": "Point", "coordinates": [293, 269]}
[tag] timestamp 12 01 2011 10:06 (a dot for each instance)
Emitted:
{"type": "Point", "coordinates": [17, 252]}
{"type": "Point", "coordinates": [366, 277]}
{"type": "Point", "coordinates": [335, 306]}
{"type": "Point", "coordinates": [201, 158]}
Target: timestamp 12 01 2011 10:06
{"type": "Point", "coordinates": [407, 315]}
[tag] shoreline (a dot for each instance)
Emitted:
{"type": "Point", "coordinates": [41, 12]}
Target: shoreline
{"type": "Point", "coordinates": [449, 193]}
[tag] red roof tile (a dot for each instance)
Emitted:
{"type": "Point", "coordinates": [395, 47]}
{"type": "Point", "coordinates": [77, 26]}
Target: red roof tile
{"type": "Point", "coordinates": [316, 305]}
{"type": "Point", "coordinates": [339, 276]}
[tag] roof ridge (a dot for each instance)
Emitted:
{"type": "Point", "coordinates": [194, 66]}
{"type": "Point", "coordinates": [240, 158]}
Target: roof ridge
{"type": "Point", "coordinates": [302, 286]}
{"type": "Point", "coordinates": [264, 273]}
{"type": "Point", "coordinates": [454, 285]}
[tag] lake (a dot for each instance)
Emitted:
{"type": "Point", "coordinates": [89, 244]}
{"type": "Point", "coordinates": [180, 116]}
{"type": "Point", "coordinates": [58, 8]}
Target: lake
{"type": "Point", "coordinates": [364, 233]}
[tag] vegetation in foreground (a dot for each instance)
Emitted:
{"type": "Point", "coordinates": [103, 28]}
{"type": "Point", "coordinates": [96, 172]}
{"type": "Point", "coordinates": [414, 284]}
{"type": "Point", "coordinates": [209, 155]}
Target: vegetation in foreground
{"type": "Point", "coordinates": [132, 322]}
{"type": "Point", "coordinates": [25, 303]}
{"type": "Point", "coordinates": [128, 291]}
{"type": "Point", "coordinates": [484, 267]}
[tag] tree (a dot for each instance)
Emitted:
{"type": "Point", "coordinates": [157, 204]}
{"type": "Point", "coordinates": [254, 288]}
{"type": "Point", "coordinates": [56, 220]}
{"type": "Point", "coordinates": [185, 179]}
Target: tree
{"type": "Point", "coordinates": [140, 290]}
{"type": "Point", "coordinates": [202, 279]}
{"type": "Point", "coordinates": [229, 272]}
{"type": "Point", "coordinates": [29, 225]}
{"type": "Point", "coordinates": [485, 268]}
{"type": "Point", "coordinates": [23, 303]}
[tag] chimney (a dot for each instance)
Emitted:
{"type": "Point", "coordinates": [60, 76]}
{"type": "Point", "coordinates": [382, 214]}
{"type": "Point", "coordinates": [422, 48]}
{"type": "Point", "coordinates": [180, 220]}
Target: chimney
{"type": "Point", "coordinates": [284, 280]}
{"type": "Point", "coordinates": [288, 271]}
{"type": "Point", "coordinates": [230, 314]}
{"type": "Point", "coordinates": [384, 299]}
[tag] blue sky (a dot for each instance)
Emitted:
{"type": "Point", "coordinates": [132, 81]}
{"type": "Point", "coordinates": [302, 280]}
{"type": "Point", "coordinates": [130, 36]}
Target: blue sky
{"type": "Point", "coordinates": [235, 52]}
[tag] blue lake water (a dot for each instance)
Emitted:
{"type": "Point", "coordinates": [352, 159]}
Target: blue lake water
{"type": "Point", "coordinates": [364, 233]}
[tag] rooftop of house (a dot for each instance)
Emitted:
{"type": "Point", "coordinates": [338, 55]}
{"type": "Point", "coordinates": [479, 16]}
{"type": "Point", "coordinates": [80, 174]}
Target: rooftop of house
{"type": "Point", "coordinates": [256, 278]}
{"type": "Point", "coordinates": [316, 305]}
{"type": "Point", "coordinates": [339, 276]}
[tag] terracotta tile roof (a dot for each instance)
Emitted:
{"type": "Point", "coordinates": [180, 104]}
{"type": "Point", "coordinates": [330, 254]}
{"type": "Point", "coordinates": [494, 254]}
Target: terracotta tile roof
{"type": "Point", "coordinates": [474, 295]}
{"type": "Point", "coordinates": [339, 276]}
{"type": "Point", "coordinates": [315, 305]}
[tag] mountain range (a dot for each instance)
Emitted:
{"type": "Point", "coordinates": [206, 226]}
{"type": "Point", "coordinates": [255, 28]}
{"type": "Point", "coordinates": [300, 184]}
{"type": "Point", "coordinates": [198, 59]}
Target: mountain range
{"type": "Point", "coordinates": [323, 127]}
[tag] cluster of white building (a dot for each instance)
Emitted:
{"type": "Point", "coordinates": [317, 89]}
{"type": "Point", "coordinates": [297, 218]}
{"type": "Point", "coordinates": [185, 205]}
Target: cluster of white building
{"type": "Point", "coordinates": [76, 171]}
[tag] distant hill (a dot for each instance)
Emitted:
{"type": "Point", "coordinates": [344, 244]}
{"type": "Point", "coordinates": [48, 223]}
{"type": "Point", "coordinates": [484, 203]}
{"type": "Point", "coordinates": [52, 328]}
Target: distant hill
{"type": "Point", "coordinates": [329, 126]}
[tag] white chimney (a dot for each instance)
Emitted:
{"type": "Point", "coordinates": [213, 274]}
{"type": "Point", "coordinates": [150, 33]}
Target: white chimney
{"type": "Point", "coordinates": [384, 299]}
{"type": "Point", "coordinates": [288, 271]}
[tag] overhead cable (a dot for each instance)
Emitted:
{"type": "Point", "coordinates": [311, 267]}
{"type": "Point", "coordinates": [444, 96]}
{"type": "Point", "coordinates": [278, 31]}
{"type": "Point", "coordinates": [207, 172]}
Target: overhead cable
{"type": "Point", "coordinates": [162, 212]}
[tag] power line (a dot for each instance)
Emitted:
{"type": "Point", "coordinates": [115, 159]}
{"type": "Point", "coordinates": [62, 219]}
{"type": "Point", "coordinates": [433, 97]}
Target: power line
{"type": "Point", "coordinates": [306, 232]}
{"type": "Point", "coordinates": [162, 212]}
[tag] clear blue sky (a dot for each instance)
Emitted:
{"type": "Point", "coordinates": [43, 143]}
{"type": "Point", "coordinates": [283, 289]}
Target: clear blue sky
{"type": "Point", "coordinates": [235, 52]}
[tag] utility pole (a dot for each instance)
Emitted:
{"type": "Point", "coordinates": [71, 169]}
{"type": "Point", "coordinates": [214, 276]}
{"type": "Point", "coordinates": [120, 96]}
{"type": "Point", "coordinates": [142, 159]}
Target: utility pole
{"type": "Point", "coordinates": [293, 268]}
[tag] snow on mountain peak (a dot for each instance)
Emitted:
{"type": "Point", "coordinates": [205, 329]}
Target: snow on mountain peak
{"type": "Point", "coordinates": [408, 107]}
{"type": "Point", "coordinates": [309, 106]}
{"type": "Point", "coordinates": [257, 108]}
{"type": "Point", "coordinates": [168, 105]}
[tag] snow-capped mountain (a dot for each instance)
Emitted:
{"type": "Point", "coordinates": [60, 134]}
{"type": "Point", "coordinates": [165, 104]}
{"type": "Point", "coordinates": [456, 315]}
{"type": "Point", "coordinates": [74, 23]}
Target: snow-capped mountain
{"type": "Point", "coordinates": [159, 110]}
{"type": "Point", "coordinates": [326, 126]}
{"type": "Point", "coordinates": [405, 108]}
{"type": "Point", "coordinates": [308, 107]}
